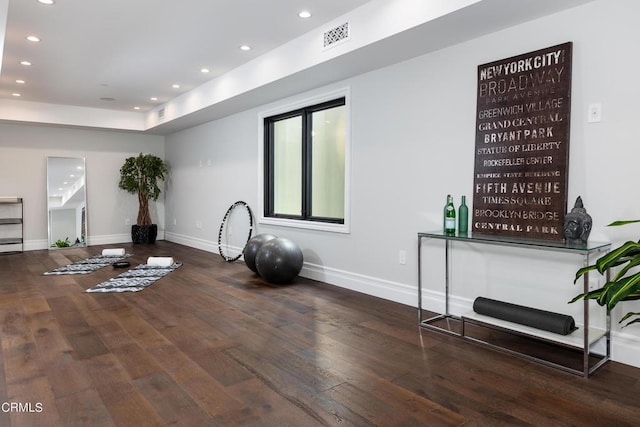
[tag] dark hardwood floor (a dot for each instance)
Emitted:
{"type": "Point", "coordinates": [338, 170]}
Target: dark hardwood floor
{"type": "Point", "coordinates": [211, 344]}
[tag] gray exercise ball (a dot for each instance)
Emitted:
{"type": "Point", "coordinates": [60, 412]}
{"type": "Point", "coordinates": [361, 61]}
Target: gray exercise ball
{"type": "Point", "coordinates": [279, 260]}
{"type": "Point", "coordinates": [252, 247]}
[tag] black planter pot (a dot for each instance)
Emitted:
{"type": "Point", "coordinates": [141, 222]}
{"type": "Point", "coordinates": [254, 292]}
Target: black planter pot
{"type": "Point", "coordinates": [144, 233]}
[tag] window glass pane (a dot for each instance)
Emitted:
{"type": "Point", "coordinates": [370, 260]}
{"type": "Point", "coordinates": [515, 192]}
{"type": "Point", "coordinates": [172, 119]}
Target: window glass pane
{"type": "Point", "coordinates": [287, 166]}
{"type": "Point", "coordinates": [328, 164]}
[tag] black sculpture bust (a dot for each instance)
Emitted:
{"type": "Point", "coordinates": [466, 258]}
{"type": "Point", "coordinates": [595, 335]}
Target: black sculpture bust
{"type": "Point", "coordinates": [577, 224]}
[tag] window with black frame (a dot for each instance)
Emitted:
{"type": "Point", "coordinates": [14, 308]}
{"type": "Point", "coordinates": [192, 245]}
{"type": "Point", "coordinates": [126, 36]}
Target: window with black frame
{"type": "Point", "coordinates": [305, 163]}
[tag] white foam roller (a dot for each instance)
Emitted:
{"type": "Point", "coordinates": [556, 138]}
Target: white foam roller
{"type": "Point", "coordinates": [160, 261]}
{"type": "Point", "coordinates": [113, 252]}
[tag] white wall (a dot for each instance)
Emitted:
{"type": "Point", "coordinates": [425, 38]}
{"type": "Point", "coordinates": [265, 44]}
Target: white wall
{"type": "Point", "coordinates": [23, 164]}
{"type": "Point", "coordinates": [413, 132]}
{"type": "Point", "coordinates": [212, 166]}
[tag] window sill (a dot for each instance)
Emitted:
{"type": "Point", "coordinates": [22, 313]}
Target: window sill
{"type": "Point", "coordinates": [307, 225]}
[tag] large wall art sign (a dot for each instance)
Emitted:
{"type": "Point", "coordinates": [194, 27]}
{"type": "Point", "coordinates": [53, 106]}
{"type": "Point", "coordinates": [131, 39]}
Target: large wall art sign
{"type": "Point", "coordinates": [522, 145]}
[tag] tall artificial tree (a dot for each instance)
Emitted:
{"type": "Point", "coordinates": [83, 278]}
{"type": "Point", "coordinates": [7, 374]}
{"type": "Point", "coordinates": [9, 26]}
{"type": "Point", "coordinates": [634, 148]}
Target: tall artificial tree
{"type": "Point", "coordinates": [141, 175]}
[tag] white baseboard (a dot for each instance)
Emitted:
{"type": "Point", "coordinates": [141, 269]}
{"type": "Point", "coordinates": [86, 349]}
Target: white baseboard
{"type": "Point", "coordinates": [192, 242]}
{"type": "Point", "coordinates": [385, 289]}
{"type": "Point", "coordinates": [625, 348]}
{"type": "Point", "coordinates": [109, 239]}
{"type": "Point", "coordinates": [36, 245]}
{"type": "Point", "coordinates": [205, 245]}
{"type": "Point", "coordinates": [106, 239]}
{"type": "Point", "coordinates": [114, 239]}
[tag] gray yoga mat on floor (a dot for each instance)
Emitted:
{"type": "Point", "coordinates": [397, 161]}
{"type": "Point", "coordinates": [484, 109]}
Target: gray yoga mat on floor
{"type": "Point", "coordinates": [88, 265]}
{"type": "Point", "coordinates": [540, 319]}
{"type": "Point", "coordinates": [134, 280]}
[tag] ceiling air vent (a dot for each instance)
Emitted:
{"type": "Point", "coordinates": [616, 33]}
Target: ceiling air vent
{"type": "Point", "coordinates": [336, 35]}
{"type": "Point", "coordinates": [161, 113]}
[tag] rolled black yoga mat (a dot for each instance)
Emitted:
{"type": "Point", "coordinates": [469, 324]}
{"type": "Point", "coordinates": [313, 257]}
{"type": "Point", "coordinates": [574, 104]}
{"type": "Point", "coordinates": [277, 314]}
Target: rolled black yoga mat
{"type": "Point", "coordinates": [546, 320]}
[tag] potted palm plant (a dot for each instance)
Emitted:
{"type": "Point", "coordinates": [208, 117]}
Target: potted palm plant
{"type": "Point", "coordinates": [625, 284]}
{"type": "Point", "coordinates": [140, 175]}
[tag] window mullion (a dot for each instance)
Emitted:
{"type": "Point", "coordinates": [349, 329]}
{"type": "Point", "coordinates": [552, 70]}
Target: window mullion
{"type": "Point", "coordinates": [306, 164]}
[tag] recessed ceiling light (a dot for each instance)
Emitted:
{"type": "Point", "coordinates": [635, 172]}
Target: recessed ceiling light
{"type": "Point", "coordinates": [34, 39]}
{"type": "Point", "coordinates": [305, 14]}
{"type": "Point", "coordinates": [136, 108]}
{"type": "Point", "coordinates": [15, 94]}
{"type": "Point", "coordinates": [48, 2]}
{"type": "Point", "coordinates": [25, 63]}
{"type": "Point", "coordinates": [153, 98]}
{"type": "Point", "coordinates": [20, 82]}
{"type": "Point", "coordinates": [205, 70]}
{"type": "Point", "coordinates": [245, 47]}
{"type": "Point", "coordinates": [175, 86]}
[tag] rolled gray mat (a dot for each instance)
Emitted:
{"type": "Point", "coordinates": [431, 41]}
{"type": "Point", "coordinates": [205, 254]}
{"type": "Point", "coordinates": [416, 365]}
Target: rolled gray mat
{"type": "Point", "coordinates": [540, 319]}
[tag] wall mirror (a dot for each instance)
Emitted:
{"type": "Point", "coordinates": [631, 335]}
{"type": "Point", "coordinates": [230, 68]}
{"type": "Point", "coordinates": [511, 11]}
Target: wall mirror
{"type": "Point", "coordinates": [66, 202]}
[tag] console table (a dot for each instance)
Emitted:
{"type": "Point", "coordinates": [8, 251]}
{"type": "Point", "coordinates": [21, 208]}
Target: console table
{"type": "Point", "coordinates": [582, 339]}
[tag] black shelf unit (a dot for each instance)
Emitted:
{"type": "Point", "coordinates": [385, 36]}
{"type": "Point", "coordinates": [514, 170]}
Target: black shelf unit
{"type": "Point", "coordinates": [11, 225]}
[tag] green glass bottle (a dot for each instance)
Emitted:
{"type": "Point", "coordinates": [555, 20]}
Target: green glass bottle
{"type": "Point", "coordinates": [449, 216]}
{"type": "Point", "coordinates": [463, 217]}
